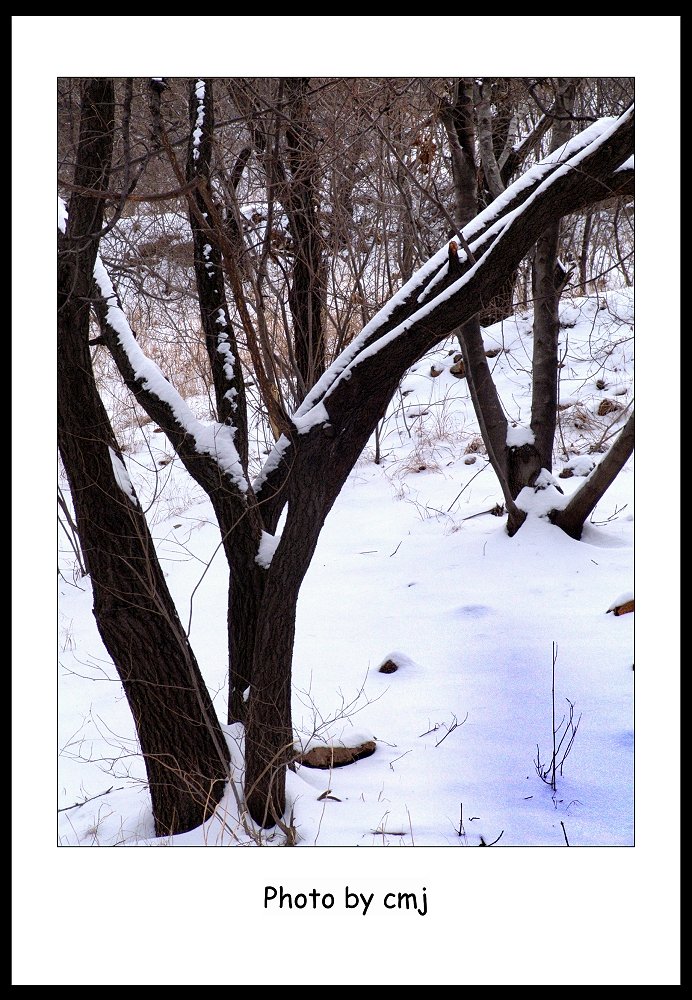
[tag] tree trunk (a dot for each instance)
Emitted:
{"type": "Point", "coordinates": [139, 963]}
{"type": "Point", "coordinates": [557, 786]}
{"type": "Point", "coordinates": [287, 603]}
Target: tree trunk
{"type": "Point", "coordinates": [548, 281]}
{"type": "Point", "coordinates": [219, 335]}
{"type": "Point", "coordinates": [306, 297]}
{"type": "Point", "coordinates": [459, 124]}
{"type": "Point", "coordinates": [307, 471]}
{"type": "Point", "coordinates": [584, 255]}
{"type": "Point", "coordinates": [184, 749]}
{"type": "Point", "coordinates": [572, 517]}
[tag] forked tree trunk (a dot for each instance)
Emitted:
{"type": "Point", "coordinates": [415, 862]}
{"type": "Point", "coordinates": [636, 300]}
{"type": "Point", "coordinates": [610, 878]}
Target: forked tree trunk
{"type": "Point", "coordinates": [311, 465]}
{"type": "Point", "coordinates": [492, 422]}
{"type": "Point", "coordinates": [184, 749]}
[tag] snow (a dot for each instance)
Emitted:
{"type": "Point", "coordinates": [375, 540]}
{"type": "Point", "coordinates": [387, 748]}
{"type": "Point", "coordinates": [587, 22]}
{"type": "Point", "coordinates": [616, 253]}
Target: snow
{"type": "Point", "coordinates": [267, 548]}
{"type": "Point", "coordinates": [544, 479]}
{"type": "Point", "coordinates": [624, 598]}
{"type": "Point", "coordinates": [62, 215]}
{"type": "Point", "coordinates": [577, 150]}
{"type": "Point", "coordinates": [315, 416]}
{"type": "Point", "coordinates": [400, 659]}
{"type": "Point", "coordinates": [412, 566]}
{"type": "Point", "coordinates": [518, 436]}
{"type": "Point", "coordinates": [582, 465]}
{"type": "Point", "coordinates": [214, 439]}
{"type": "Point", "coordinates": [273, 461]}
{"type": "Point", "coordinates": [224, 349]}
{"type": "Point", "coordinates": [197, 133]}
{"type": "Point", "coordinates": [539, 501]}
{"type": "Point", "coordinates": [618, 921]}
{"type": "Point", "coordinates": [334, 735]}
{"type": "Point", "coordinates": [121, 477]}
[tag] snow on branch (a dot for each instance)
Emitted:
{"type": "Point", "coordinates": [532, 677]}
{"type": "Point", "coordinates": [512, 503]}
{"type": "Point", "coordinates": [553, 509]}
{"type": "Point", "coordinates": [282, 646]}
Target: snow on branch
{"type": "Point", "coordinates": [565, 160]}
{"type": "Point", "coordinates": [213, 439]}
{"type": "Point", "coordinates": [199, 122]}
{"type": "Point", "coordinates": [122, 478]}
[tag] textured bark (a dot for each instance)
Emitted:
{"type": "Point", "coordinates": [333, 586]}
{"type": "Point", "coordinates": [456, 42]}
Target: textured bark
{"type": "Point", "coordinates": [184, 750]}
{"type": "Point", "coordinates": [491, 169]}
{"type": "Point", "coordinates": [571, 190]}
{"type": "Point", "coordinates": [523, 465]}
{"type": "Point", "coordinates": [245, 582]}
{"type": "Point", "coordinates": [572, 517]}
{"type": "Point", "coordinates": [237, 515]}
{"type": "Point", "coordinates": [457, 119]}
{"type": "Point", "coordinates": [584, 254]}
{"type": "Point", "coordinates": [306, 295]}
{"type": "Point", "coordinates": [459, 124]}
{"type": "Point", "coordinates": [315, 465]}
{"type": "Point", "coordinates": [548, 281]}
{"type": "Point", "coordinates": [486, 402]}
{"type": "Point", "coordinates": [219, 334]}
{"type": "Point", "coordinates": [516, 157]}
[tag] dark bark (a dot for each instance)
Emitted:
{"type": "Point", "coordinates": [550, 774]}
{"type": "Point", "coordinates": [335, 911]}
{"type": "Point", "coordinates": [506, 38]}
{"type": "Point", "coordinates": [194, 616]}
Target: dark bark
{"type": "Point", "coordinates": [184, 750]}
{"type": "Point", "coordinates": [565, 194]}
{"type": "Point", "coordinates": [584, 255]}
{"type": "Point", "coordinates": [492, 422]}
{"type": "Point", "coordinates": [572, 517]}
{"type": "Point", "coordinates": [491, 170]}
{"type": "Point", "coordinates": [516, 157]}
{"type": "Point", "coordinates": [459, 124]}
{"type": "Point", "coordinates": [501, 306]}
{"type": "Point", "coordinates": [315, 465]}
{"type": "Point", "coordinates": [548, 281]}
{"type": "Point", "coordinates": [457, 119]}
{"type": "Point", "coordinates": [621, 257]}
{"type": "Point", "coordinates": [240, 546]}
{"type": "Point", "coordinates": [219, 334]}
{"type": "Point", "coordinates": [523, 466]}
{"type": "Point", "coordinates": [307, 291]}
{"type": "Point", "coordinates": [237, 515]}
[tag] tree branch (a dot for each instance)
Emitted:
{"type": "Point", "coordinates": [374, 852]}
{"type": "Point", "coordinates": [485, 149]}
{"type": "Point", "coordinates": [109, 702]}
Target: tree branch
{"type": "Point", "coordinates": [572, 517]}
{"type": "Point", "coordinates": [358, 385]}
{"type": "Point", "coordinates": [219, 335]}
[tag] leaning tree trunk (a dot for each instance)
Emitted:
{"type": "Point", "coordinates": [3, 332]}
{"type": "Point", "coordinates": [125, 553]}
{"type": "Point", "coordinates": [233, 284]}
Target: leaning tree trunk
{"type": "Point", "coordinates": [309, 466]}
{"type": "Point", "coordinates": [184, 749]}
{"type": "Point", "coordinates": [572, 517]}
{"type": "Point", "coordinates": [458, 120]}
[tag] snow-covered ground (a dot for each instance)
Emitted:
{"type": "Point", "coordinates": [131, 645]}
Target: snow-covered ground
{"type": "Point", "coordinates": [412, 565]}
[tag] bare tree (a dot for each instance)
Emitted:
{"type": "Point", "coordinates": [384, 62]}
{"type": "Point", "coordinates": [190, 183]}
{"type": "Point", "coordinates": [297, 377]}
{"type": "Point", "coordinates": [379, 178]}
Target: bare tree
{"type": "Point", "coordinates": [184, 750]}
{"type": "Point", "coordinates": [477, 170]}
{"type": "Point", "coordinates": [323, 438]}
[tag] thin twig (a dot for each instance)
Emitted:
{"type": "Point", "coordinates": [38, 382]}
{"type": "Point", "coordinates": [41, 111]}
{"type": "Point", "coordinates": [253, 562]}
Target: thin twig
{"type": "Point", "coordinates": [455, 725]}
{"type": "Point", "coordinates": [492, 842]}
{"type": "Point", "coordinates": [399, 758]}
{"type": "Point", "coordinates": [100, 794]}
